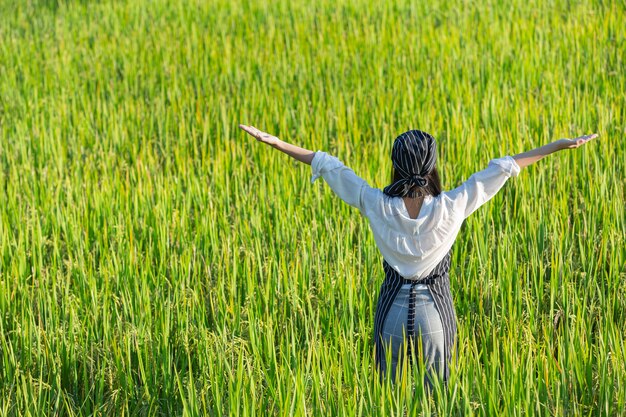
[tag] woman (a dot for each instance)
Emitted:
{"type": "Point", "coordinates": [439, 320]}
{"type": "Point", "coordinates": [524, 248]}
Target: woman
{"type": "Point", "coordinates": [414, 225]}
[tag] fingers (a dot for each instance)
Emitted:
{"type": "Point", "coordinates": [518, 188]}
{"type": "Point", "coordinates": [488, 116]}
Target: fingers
{"type": "Point", "coordinates": [258, 134]}
{"type": "Point", "coordinates": [251, 130]}
{"type": "Point", "coordinates": [581, 140]}
{"type": "Point", "coordinates": [588, 137]}
{"type": "Point", "coordinates": [584, 139]}
{"type": "Point", "coordinates": [246, 129]}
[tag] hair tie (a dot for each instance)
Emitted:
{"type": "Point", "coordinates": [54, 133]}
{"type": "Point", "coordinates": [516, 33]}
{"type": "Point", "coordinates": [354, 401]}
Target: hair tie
{"type": "Point", "coordinates": [418, 181]}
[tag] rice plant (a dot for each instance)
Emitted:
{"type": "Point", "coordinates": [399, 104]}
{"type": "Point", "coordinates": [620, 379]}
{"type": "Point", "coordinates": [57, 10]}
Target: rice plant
{"type": "Point", "coordinates": [155, 261]}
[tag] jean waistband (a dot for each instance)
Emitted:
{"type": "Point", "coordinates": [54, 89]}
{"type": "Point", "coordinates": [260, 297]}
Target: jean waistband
{"type": "Point", "coordinates": [430, 280]}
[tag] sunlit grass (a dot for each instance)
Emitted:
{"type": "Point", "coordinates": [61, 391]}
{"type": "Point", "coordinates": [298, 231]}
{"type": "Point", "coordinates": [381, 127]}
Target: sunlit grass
{"type": "Point", "coordinates": [156, 261]}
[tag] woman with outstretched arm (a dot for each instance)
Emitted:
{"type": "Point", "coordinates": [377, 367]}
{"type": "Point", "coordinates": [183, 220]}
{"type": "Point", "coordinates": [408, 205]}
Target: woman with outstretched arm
{"type": "Point", "coordinates": [415, 223]}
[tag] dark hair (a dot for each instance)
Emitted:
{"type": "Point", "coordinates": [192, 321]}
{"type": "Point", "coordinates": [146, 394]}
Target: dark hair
{"type": "Point", "coordinates": [433, 187]}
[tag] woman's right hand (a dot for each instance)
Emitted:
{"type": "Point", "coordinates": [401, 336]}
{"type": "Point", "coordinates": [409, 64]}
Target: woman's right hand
{"type": "Point", "coordinates": [260, 135]}
{"type": "Point", "coordinates": [296, 152]}
{"type": "Point", "coordinates": [576, 142]}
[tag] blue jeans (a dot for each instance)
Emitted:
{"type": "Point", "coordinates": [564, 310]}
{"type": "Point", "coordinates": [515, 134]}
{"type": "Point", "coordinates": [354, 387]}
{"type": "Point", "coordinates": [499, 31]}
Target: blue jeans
{"type": "Point", "coordinates": [428, 334]}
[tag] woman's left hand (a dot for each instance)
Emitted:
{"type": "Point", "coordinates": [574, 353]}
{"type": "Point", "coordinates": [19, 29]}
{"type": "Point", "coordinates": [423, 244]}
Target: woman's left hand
{"type": "Point", "coordinates": [259, 135]}
{"type": "Point", "coordinates": [576, 142]}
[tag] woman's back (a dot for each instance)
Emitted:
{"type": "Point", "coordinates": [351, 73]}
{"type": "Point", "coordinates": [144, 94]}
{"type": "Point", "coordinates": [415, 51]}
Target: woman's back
{"type": "Point", "coordinates": [413, 246]}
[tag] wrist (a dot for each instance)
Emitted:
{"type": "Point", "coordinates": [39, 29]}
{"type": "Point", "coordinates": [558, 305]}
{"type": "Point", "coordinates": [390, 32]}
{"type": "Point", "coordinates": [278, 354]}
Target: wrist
{"type": "Point", "coordinates": [559, 145]}
{"type": "Point", "coordinates": [277, 144]}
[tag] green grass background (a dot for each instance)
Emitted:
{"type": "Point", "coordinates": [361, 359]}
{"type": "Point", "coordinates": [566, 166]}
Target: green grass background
{"type": "Point", "coordinates": [154, 260]}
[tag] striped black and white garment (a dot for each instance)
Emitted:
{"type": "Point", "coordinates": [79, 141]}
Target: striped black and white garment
{"type": "Point", "coordinates": [409, 311]}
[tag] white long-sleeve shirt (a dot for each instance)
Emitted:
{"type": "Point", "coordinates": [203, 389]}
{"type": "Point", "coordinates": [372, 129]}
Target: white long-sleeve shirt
{"type": "Point", "coordinates": [413, 247]}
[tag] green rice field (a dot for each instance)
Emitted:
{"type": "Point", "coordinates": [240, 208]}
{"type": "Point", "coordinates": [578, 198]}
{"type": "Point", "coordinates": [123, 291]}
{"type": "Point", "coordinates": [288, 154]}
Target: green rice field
{"type": "Point", "coordinates": [157, 261]}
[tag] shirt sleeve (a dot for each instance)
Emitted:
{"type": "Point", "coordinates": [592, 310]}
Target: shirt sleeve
{"type": "Point", "coordinates": [481, 186]}
{"type": "Point", "coordinates": [341, 179]}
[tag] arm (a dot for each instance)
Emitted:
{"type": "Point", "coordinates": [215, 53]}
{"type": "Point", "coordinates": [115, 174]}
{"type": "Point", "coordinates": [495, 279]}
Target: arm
{"type": "Point", "coordinates": [530, 157]}
{"type": "Point", "coordinates": [480, 187]}
{"type": "Point", "coordinates": [341, 179]}
{"type": "Point", "coordinates": [296, 152]}
{"type": "Point", "coordinates": [483, 185]}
